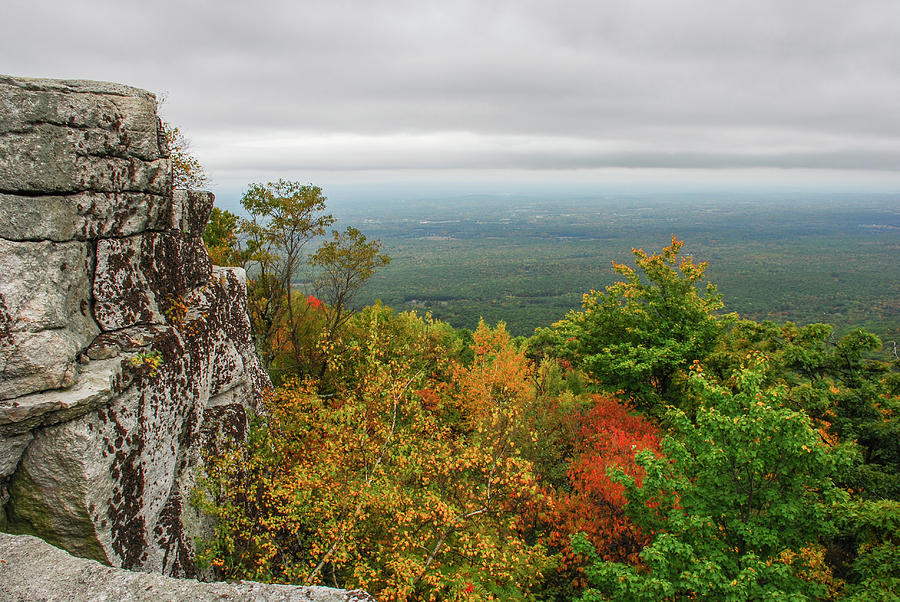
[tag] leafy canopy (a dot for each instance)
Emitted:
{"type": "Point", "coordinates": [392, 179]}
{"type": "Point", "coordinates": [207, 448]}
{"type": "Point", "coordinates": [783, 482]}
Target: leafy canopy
{"type": "Point", "coordinates": [640, 334]}
{"type": "Point", "coordinates": [736, 493]}
{"type": "Point", "coordinates": [405, 482]}
{"type": "Point", "coordinates": [345, 263]}
{"type": "Point", "coordinates": [284, 217]}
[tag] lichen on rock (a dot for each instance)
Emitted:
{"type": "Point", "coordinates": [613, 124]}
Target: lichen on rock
{"type": "Point", "coordinates": [101, 262]}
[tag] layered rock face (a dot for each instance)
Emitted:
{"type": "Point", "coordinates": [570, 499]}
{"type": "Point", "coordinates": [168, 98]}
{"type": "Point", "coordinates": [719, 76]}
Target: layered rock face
{"type": "Point", "coordinates": [123, 353]}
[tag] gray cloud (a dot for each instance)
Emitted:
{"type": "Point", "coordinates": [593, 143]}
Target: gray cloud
{"type": "Point", "coordinates": [517, 84]}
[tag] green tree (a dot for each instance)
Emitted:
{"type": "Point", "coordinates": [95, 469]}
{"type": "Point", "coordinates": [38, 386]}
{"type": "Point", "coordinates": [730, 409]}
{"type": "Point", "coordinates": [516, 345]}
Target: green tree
{"type": "Point", "coordinates": [344, 264]}
{"type": "Point", "coordinates": [284, 217]}
{"type": "Point", "coordinates": [839, 383]}
{"type": "Point", "coordinates": [862, 407]}
{"type": "Point", "coordinates": [875, 571]}
{"type": "Point", "coordinates": [737, 496]}
{"type": "Point", "coordinates": [639, 335]}
{"type": "Point", "coordinates": [851, 396]}
{"type": "Point", "coordinates": [220, 238]}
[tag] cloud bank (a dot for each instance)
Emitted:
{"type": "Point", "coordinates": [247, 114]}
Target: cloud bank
{"type": "Point", "coordinates": [289, 88]}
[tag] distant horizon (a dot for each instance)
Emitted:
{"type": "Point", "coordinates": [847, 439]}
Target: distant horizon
{"type": "Point", "coordinates": [355, 194]}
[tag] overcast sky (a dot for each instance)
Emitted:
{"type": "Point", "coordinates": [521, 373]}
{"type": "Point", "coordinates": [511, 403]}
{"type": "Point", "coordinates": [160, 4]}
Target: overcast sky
{"type": "Point", "coordinates": [498, 93]}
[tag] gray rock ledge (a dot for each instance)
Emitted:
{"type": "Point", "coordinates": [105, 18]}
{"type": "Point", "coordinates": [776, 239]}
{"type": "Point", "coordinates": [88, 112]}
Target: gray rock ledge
{"type": "Point", "coordinates": [33, 570]}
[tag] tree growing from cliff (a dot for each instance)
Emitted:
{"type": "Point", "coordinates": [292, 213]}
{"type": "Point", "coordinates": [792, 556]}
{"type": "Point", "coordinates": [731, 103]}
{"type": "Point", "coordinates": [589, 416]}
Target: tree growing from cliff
{"type": "Point", "coordinates": [284, 218]}
{"type": "Point", "coordinates": [187, 172]}
{"type": "Point", "coordinates": [221, 240]}
{"type": "Point", "coordinates": [640, 334]}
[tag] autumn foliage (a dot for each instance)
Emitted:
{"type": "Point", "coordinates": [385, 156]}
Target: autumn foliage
{"type": "Point", "coordinates": [610, 435]}
{"type": "Point", "coordinates": [411, 475]}
{"type": "Point", "coordinates": [420, 462]}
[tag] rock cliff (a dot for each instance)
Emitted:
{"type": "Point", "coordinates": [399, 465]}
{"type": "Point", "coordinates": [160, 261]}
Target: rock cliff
{"type": "Point", "coordinates": [123, 353]}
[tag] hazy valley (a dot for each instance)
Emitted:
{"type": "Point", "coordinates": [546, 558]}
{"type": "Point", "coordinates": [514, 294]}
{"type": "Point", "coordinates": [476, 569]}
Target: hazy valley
{"type": "Point", "coordinates": [527, 261]}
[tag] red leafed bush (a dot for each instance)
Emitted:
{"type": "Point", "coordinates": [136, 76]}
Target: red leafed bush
{"type": "Point", "coordinates": [610, 434]}
{"type": "Point", "coordinates": [314, 303]}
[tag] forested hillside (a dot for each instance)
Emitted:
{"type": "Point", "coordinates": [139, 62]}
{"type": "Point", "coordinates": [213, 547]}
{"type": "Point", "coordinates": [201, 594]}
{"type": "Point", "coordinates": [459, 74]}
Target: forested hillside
{"type": "Point", "coordinates": [648, 445]}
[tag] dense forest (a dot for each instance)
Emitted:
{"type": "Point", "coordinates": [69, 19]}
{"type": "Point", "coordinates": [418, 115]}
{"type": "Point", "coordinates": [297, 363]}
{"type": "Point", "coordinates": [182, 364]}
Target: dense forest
{"type": "Point", "coordinates": [525, 260]}
{"type": "Point", "coordinates": [650, 444]}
